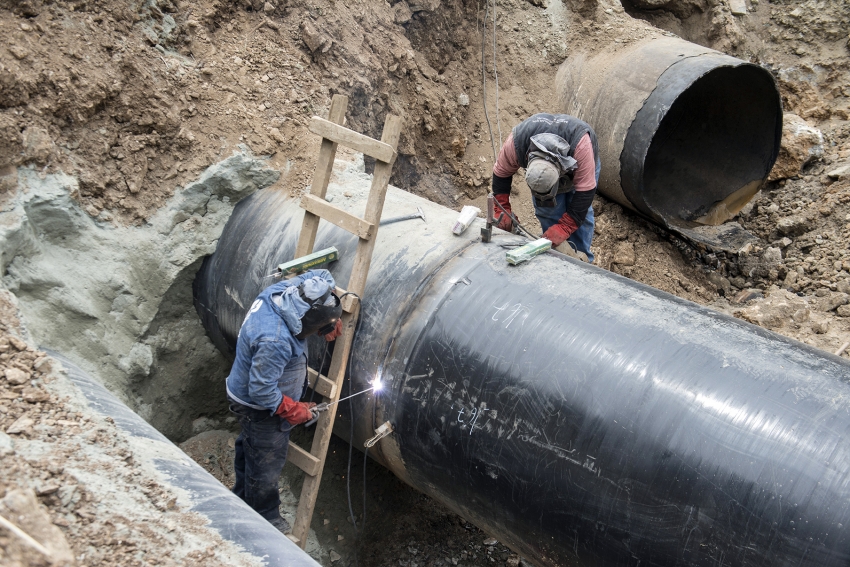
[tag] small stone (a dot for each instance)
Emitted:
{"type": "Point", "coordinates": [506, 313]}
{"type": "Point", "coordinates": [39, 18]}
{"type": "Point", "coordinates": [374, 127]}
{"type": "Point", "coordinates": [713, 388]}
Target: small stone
{"type": "Point", "coordinates": [335, 556]}
{"type": "Point", "coordinates": [832, 301]}
{"type": "Point", "coordinates": [340, 537]}
{"type": "Point", "coordinates": [25, 27]}
{"type": "Point", "coordinates": [738, 7]}
{"type": "Point", "coordinates": [790, 279]}
{"type": "Point", "coordinates": [44, 365]}
{"type": "Point", "coordinates": [314, 39]}
{"type": "Point", "coordinates": [402, 13]}
{"type": "Point", "coordinates": [35, 395]}
{"type": "Point", "coordinates": [843, 311]}
{"type": "Point", "coordinates": [801, 143]}
{"type": "Point", "coordinates": [793, 226]}
{"type": "Point", "coordinates": [21, 425]}
{"type": "Point", "coordinates": [820, 327]}
{"type": "Point", "coordinates": [46, 489]}
{"type": "Point", "coordinates": [513, 561]}
{"type": "Point", "coordinates": [276, 135]}
{"type": "Point", "coordinates": [801, 315]}
{"type": "Point", "coordinates": [325, 522]}
{"type": "Point", "coordinates": [424, 5]}
{"type": "Point", "coordinates": [7, 445]}
{"type": "Point", "coordinates": [839, 172]}
{"type": "Point", "coordinates": [463, 99]}
{"type": "Point", "coordinates": [18, 343]}
{"type": "Point", "coordinates": [624, 255]}
{"type": "Point", "coordinates": [268, 8]}
{"type": "Point", "coordinates": [18, 51]}
{"type": "Point", "coordinates": [17, 376]}
{"type": "Point", "coordinates": [843, 286]}
{"type": "Point", "coordinates": [491, 541]}
{"type": "Point", "coordinates": [772, 256]}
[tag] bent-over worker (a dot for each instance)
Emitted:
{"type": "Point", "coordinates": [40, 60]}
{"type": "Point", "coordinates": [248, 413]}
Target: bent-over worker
{"type": "Point", "coordinates": [561, 160]}
{"type": "Point", "coordinates": [269, 377]}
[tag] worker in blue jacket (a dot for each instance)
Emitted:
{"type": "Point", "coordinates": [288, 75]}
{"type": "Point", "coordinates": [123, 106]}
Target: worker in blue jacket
{"type": "Point", "coordinates": [268, 379]}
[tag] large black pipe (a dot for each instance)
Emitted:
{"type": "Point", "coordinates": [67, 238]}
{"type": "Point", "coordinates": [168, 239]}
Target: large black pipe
{"type": "Point", "coordinates": [687, 137]}
{"type": "Point", "coordinates": [254, 540]}
{"type": "Point", "coordinates": [581, 417]}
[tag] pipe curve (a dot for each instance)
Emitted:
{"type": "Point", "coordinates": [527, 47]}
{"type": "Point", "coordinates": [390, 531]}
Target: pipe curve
{"type": "Point", "coordinates": [690, 134]}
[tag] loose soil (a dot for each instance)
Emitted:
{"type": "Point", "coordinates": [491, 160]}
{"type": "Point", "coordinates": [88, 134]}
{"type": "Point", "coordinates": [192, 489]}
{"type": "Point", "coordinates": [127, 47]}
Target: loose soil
{"type": "Point", "coordinates": [136, 99]}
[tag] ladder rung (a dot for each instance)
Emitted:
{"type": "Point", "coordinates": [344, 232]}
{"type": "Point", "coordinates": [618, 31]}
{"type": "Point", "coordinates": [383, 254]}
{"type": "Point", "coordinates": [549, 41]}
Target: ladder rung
{"type": "Point", "coordinates": [342, 219]}
{"type": "Point", "coordinates": [348, 302]}
{"type": "Point", "coordinates": [303, 460]}
{"type": "Point", "coordinates": [354, 140]}
{"type": "Point", "coordinates": [322, 385]}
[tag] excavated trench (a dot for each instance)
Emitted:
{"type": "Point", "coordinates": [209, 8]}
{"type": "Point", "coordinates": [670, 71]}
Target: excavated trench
{"type": "Point", "coordinates": [118, 301]}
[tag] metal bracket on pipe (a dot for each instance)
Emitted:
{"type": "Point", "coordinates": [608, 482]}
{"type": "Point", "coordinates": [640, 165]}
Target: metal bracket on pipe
{"type": "Point", "coordinates": [383, 430]}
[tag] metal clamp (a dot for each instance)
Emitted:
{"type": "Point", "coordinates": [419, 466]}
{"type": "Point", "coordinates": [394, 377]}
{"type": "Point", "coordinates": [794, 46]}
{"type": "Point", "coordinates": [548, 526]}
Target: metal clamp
{"type": "Point", "coordinates": [385, 429]}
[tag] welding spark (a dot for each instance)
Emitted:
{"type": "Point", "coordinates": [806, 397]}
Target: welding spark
{"type": "Point", "coordinates": [376, 385]}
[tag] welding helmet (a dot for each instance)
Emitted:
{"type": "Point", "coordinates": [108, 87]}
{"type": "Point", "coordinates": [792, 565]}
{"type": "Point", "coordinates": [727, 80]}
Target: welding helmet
{"type": "Point", "coordinates": [322, 316]}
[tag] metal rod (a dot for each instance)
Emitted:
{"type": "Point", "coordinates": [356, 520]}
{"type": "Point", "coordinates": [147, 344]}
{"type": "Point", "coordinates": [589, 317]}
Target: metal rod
{"type": "Point", "coordinates": [351, 396]}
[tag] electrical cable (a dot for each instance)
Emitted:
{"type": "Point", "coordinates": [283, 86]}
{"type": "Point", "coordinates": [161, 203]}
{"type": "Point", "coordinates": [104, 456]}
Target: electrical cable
{"type": "Point", "coordinates": [321, 369]}
{"type": "Point", "coordinates": [350, 450]}
{"type": "Point", "coordinates": [496, 77]}
{"type": "Point", "coordinates": [484, 76]}
{"type": "Point", "coordinates": [366, 459]}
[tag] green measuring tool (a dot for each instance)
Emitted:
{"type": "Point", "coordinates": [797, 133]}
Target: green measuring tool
{"type": "Point", "coordinates": [308, 262]}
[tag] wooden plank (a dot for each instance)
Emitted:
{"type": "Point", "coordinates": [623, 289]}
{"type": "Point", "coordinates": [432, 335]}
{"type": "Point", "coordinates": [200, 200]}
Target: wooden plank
{"type": "Point", "coordinates": [374, 206]}
{"type": "Point", "coordinates": [324, 429]}
{"type": "Point", "coordinates": [354, 140]}
{"type": "Point", "coordinates": [324, 167]}
{"type": "Point", "coordinates": [321, 384]}
{"type": "Point", "coordinates": [349, 302]}
{"type": "Point", "coordinates": [304, 460]}
{"type": "Point", "coordinates": [342, 219]}
{"type": "Point", "coordinates": [336, 373]}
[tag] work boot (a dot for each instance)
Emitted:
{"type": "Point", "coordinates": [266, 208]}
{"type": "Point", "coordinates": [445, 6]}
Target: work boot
{"type": "Point", "coordinates": [281, 525]}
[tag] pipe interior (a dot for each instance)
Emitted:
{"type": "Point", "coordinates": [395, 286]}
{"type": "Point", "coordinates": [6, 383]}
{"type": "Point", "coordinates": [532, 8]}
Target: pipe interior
{"type": "Point", "coordinates": [719, 135]}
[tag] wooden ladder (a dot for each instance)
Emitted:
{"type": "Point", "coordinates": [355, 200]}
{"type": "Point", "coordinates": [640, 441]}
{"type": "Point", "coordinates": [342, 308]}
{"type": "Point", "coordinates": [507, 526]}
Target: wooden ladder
{"type": "Point", "coordinates": [366, 228]}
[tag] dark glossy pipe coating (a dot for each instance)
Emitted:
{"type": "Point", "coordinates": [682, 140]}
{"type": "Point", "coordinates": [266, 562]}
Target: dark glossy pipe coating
{"type": "Point", "coordinates": [580, 417]}
{"type": "Point", "coordinates": [687, 136]}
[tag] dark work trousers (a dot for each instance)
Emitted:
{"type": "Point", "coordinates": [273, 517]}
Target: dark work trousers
{"type": "Point", "coordinates": [262, 445]}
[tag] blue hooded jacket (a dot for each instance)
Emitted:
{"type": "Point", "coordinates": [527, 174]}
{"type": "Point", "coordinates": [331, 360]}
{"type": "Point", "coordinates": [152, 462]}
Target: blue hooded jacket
{"type": "Point", "coordinates": [266, 350]}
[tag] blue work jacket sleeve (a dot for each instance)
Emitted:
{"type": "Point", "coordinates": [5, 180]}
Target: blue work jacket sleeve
{"type": "Point", "coordinates": [267, 364]}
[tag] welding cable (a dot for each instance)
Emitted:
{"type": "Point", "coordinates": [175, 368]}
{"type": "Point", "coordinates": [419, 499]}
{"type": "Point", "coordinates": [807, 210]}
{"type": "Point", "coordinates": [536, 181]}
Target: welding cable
{"type": "Point", "coordinates": [321, 369]}
{"type": "Point", "coordinates": [484, 76]}
{"type": "Point", "coordinates": [496, 77]}
{"type": "Point", "coordinates": [365, 460]}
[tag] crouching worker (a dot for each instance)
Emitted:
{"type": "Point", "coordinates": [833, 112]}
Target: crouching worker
{"type": "Point", "coordinates": [269, 377]}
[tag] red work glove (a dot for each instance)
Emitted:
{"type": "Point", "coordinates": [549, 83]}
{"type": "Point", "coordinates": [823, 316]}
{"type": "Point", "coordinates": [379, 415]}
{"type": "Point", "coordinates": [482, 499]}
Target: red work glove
{"type": "Point", "coordinates": [336, 332]}
{"type": "Point", "coordinates": [561, 230]}
{"type": "Point", "coordinates": [294, 412]}
{"type": "Point", "coordinates": [504, 220]}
